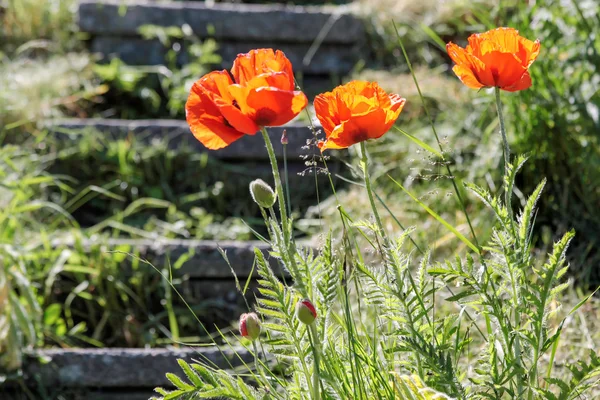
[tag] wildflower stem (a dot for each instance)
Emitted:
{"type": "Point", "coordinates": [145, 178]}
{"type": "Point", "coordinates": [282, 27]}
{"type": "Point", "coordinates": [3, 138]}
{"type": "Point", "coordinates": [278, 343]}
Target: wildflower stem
{"type": "Point", "coordinates": [506, 151]}
{"type": "Point", "coordinates": [278, 185]}
{"type": "Point", "coordinates": [316, 380]}
{"type": "Point", "coordinates": [287, 179]}
{"type": "Point", "coordinates": [507, 200]}
{"type": "Point", "coordinates": [365, 167]}
{"type": "Point", "coordinates": [288, 243]}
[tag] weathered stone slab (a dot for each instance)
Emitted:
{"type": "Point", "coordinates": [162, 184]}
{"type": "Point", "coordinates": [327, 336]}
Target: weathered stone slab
{"type": "Point", "coordinates": [206, 262]}
{"type": "Point", "coordinates": [259, 22]}
{"type": "Point", "coordinates": [248, 148]}
{"type": "Point", "coordinates": [323, 59]}
{"type": "Point", "coordinates": [122, 368]}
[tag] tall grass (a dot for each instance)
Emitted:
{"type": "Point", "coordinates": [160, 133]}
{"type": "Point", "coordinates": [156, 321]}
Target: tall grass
{"type": "Point", "coordinates": [38, 25]}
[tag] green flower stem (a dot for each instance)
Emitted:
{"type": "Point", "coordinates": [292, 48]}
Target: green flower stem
{"type": "Point", "coordinates": [287, 179]}
{"type": "Point", "coordinates": [507, 200]}
{"type": "Point", "coordinates": [365, 167]}
{"type": "Point", "coordinates": [316, 385]}
{"type": "Point", "coordinates": [278, 185]}
{"type": "Point", "coordinates": [285, 222]}
{"type": "Point", "coordinates": [507, 196]}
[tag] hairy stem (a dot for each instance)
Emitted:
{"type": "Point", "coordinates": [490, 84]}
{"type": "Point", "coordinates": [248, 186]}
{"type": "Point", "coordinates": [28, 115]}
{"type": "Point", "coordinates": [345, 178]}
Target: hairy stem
{"type": "Point", "coordinates": [365, 167]}
{"type": "Point", "coordinates": [315, 347]}
{"type": "Point", "coordinates": [507, 201]}
{"type": "Point", "coordinates": [506, 151]}
{"type": "Point", "coordinates": [289, 246]}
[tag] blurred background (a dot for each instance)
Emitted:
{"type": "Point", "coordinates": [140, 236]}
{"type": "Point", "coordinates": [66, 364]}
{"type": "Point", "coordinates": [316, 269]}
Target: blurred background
{"type": "Point", "coordinates": [81, 184]}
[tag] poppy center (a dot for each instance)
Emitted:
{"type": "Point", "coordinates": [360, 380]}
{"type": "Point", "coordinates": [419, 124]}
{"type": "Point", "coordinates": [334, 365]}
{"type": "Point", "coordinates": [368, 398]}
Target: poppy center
{"type": "Point", "coordinates": [264, 116]}
{"type": "Point", "coordinates": [360, 136]}
{"type": "Point", "coordinates": [227, 124]}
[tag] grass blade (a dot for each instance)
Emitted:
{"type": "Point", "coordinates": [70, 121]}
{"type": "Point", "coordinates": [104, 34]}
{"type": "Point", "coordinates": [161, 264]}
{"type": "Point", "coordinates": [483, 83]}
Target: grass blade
{"type": "Point", "coordinates": [420, 143]}
{"type": "Point", "coordinates": [438, 218]}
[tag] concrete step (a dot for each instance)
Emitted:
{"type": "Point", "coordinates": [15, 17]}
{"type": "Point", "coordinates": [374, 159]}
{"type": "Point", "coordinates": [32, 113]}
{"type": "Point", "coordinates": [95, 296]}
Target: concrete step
{"type": "Point", "coordinates": [177, 132]}
{"type": "Point", "coordinates": [319, 40]}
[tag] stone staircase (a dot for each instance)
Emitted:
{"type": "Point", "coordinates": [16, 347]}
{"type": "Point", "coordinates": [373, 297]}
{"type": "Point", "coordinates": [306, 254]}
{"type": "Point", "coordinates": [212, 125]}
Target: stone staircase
{"type": "Point", "coordinates": [323, 43]}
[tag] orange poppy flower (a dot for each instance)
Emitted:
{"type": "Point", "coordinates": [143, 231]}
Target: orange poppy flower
{"type": "Point", "coordinates": [221, 110]}
{"type": "Point", "coordinates": [264, 87]}
{"type": "Point", "coordinates": [355, 112]}
{"type": "Point", "coordinates": [497, 58]}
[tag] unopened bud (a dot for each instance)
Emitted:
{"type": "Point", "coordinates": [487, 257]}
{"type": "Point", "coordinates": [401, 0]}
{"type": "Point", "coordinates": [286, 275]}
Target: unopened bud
{"type": "Point", "coordinates": [262, 193]}
{"type": "Point", "coordinates": [306, 312]}
{"type": "Point", "coordinates": [250, 326]}
{"type": "Point", "coordinates": [284, 138]}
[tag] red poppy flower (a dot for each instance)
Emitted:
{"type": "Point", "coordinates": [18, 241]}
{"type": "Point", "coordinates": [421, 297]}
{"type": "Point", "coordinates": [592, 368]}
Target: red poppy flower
{"type": "Point", "coordinates": [221, 110]}
{"type": "Point", "coordinates": [212, 115]}
{"type": "Point", "coordinates": [355, 112]}
{"type": "Point", "coordinates": [497, 58]}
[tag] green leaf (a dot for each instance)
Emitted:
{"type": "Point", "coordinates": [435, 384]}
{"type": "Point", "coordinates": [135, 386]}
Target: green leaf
{"type": "Point", "coordinates": [420, 143]}
{"type": "Point", "coordinates": [52, 314]}
{"type": "Point", "coordinates": [461, 295]}
{"type": "Point", "coordinates": [191, 375]}
{"type": "Point", "coordinates": [438, 218]}
{"type": "Point", "coordinates": [178, 382]}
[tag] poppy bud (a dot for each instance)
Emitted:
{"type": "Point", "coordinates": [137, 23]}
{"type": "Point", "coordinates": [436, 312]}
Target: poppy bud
{"type": "Point", "coordinates": [262, 193]}
{"type": "Point", "coordinates": [306, 312]}
{"type": "Point", "coordinates": [284, 138]}
{"type": "Point", "coordinates": [250, 326]}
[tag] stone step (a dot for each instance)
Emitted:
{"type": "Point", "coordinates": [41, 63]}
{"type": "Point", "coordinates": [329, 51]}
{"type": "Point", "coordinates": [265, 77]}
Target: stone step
{"type": "Point", "coordinates": [326, 58]}
{"type": "Point", "coordinates": [247, 22]}
{"type": "Point", "coordinates": [116, 374]}
{"type": "Point", "coordinates": [206, 263]}
{"type": "Point", "coordinates": [205, 278]}
{"type": "Point", "coordinates": [177, 132]}
{"type": "Point", "coordinates": [319, 40]}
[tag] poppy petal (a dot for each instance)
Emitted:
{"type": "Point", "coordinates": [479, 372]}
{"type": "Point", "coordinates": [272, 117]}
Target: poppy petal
{"type": "Point", "coordinates": [521, 84]}
{"type": "Point", "coordinates": [467, 77]}
{"type": "Point", "coordinates": [360, 128]}
{"type": "Point", "coordinates": [238, 120]}
{"type": "Point", "coordinates": [505, 68]}
{"type": "Point", "coordinates": [217, 86]}
{"type": "Point", "coordinates": [394, 111]}
{"type": "Point", "coordinates": [275, 107]}
{"type": "Point", "coordinates": [207, 124]}
{"type": "Point", "coordinates": [259, 61]}
{"type": "Point", "coordinates": [528, 51]}
{"type": "Point", "coordinates": [326, 110]}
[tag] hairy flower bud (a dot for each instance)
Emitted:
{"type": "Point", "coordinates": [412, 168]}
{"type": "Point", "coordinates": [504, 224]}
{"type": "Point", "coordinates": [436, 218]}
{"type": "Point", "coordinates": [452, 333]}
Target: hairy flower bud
{"type": "Point", "coordinates": [306, 311]}
{"type": "Point", "coordinates": [262, 193]}
{"type": "Point", "coordinates": [250, 326]}
{"type": "Point", "coordinates": [284, 138]}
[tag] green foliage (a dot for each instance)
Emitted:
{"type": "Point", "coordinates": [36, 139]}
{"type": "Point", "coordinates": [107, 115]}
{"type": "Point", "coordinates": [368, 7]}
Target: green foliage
{"type": "Point", "coordinates": [158, 91]}
{"type": "Point", "coordinates": [558, 119]}
{"type": "Point", "coordinates": [43, 88]}
{"type": "Point", "coordinates": [37, 25]}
